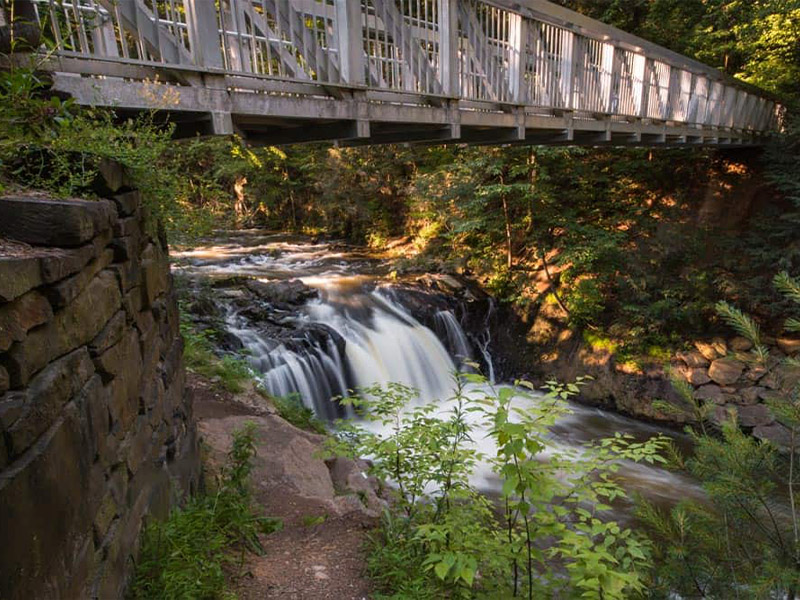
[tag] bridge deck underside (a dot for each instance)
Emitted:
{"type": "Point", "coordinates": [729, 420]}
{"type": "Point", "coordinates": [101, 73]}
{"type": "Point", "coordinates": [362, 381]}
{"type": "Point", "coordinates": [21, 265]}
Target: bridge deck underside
{"type": "Point", "coordinates": [316, 113]}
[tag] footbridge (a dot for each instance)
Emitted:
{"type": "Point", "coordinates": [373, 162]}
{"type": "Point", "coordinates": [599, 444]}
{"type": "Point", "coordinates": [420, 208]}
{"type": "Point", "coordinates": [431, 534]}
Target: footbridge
{"type": "Point", "coordinates": [386, 71]}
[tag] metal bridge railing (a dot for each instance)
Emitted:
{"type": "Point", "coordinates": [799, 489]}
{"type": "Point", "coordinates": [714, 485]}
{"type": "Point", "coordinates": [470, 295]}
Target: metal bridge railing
{"type": "Point", "coordinates": [473, 50]}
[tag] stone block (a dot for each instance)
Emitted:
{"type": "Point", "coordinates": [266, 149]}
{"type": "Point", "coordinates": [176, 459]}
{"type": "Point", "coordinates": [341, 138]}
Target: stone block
{"type": "Point", "coordinates": [126, 248]}
{"type": "Point", "coordinates": [128, 203]}
{"type": "Point", "coordinates": [111, 177]}
{"type": "Point", "coordinates": [49, 222]}
{"type": "Point", "coordinates": [107, 512]}
{"type": "Point", "coordinates": [127, 226]}
{"type": "Point", "coordinates": [708, 350]}
{"type": "Point", "coordinates": [776, 433]}
{"type": "Point", "coordinates": [91, 403]}
{"type": "Point", "coordinates": [124, 356]}
{"type": "Point", "coordinates": [73, 326]}
{"type": "Point", "coordinates": [726, 371]}
{"type": "Point", "coordinates": [59, 265]}
{"type": "Point", "coordinates": [43, 509]}
{"type": "Point", "coordinates": [45, 396]}
{"type": "Point", "coordinates": [22, 315]}
{"type": "Point", "coordinates": [123, 398]}
{"type": "Point", "coordinates": [136, 446]}
{"type": "Point", "coordinates": [18, 275]}
{"type": "Point", "coordinates": [129, 275]}
{"type": "Point", "coordinates": [751, 395]}
{"type": "Point", "coordinates": [65, 291]}
{"type": "Point", "coordinates": [109, 335]}
{"type": "Point", "coordinates": [155, 279]}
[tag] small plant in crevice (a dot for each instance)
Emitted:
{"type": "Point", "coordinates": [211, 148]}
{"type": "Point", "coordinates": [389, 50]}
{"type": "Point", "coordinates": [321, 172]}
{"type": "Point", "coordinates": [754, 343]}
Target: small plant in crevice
{"type": "Point", "coordinates": [195, 552]}
{"type": "Point", "coordinates": [229, 370]}
{"type": "Point", "coordinates": [546, 535]}
{"type": "Point", "coordinates": [292, 409]}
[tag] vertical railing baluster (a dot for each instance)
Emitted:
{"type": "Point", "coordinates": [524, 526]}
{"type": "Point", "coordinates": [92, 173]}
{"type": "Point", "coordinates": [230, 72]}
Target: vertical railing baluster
{"type": "Point", "coordinates": [204, 41]}
{"type": "Point", "coordinates": [351, 42]}
{"type": "Point", "coordinates": [448, 47]}
{"type": "Point", "coordinates": [517, 40]}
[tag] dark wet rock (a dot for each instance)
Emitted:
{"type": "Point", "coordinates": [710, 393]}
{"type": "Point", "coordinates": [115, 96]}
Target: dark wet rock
{"type": "Point", "coordinates": [229, 342]}
{"type": "Point", "coordinates": [282, 293]}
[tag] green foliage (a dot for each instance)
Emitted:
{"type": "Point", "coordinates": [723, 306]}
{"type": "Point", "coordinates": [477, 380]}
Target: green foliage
{"type": "Point", "coordinates": [292, 409]}
{"type": "Point", "coordinates": [199, 354]}
{"type": "Point", "coordinates": [744, 541]}
{"type": "Point", "coordinates": [52, 144]}
{"type": "Point", "coordinates": [191, 554]}
{"type": "Point", "coordinates": [548, 534]}
{"type": "Point", "coordinates": [745, 326]}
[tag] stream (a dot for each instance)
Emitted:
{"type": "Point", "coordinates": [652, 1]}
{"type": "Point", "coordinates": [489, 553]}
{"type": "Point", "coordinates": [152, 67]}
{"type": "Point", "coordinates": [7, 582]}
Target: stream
{"type": "Point", "coordinates": [363, 327]}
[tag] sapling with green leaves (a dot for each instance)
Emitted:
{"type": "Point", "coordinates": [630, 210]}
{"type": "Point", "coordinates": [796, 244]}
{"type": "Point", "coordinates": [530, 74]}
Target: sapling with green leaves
{"type": "Point", "coordinates": [546, 534]}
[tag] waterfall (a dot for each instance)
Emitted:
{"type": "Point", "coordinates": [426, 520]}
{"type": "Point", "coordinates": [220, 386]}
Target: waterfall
{"type": "Point", "coordinates": [383, 343]}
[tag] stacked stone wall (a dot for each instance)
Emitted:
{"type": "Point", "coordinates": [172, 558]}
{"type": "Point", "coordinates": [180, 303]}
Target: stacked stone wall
{"type": "Point", "coordinates": [97, 429]}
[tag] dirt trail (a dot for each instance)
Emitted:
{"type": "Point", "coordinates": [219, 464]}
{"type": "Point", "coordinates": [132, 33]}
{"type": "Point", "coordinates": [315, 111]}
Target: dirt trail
{"type": "Point", "coordinates": [319, 553]}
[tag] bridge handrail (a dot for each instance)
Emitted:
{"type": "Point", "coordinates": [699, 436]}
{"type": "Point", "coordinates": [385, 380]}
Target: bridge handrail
{"type": "Point", "coordinates": [515, 53]}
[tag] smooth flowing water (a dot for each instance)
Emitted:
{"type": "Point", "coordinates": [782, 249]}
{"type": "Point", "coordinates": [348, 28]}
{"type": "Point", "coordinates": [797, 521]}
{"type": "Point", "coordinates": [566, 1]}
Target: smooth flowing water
{"type": "Point", "coordinates": [374, 339]}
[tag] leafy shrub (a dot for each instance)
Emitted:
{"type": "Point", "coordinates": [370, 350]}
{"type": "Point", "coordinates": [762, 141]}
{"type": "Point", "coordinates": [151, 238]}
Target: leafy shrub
{"type": "Point", "coordinates": [546, 536]}
{"type": "Point", "coordinates": [191, 553]}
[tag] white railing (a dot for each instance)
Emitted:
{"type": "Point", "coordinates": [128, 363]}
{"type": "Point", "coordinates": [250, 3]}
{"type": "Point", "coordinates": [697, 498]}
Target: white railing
{"type": "Point", "coordinates": [531, 54]}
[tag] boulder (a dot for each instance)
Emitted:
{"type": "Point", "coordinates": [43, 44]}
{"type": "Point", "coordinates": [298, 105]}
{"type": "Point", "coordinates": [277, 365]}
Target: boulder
{"type": "Point", "coordinates": [4, 381]}
{"type": "Point", "coordinates": [740, 344]}
{"type": "Point", "coordinates": [755, 415]}
{"type": "Point", "coordinates": [789, 346]}
{"type": "Point", "coordinates": [751, 395]}
{"type": "Point", "coordinates": [775, 433]}
{"type": "Point", "coordinates": [710, 392]}
{"type": "Point", "coordinates": [756, 372]}
{"type": "Point", "coordinates": [282, 293]}
{"type": "Point", "coordinates": [697, 376]}
{"type": "Point", "coordinates": [707, 350]}
{"type": "Point", "coordinates": [693, 359]}
{"type": "Point", "coordinates": [726, 371]}
{"type": "Point", "coordinates": [50, 222]}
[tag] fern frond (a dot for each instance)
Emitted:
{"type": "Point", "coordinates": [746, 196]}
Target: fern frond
{"type": "Point", "coordinates": [739, 322]}
{"type": "Point", "coordinates": [788, 286]}
{"type": "Point", "coordinates": [792, 325]}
